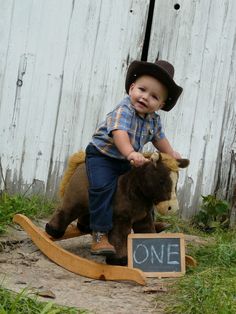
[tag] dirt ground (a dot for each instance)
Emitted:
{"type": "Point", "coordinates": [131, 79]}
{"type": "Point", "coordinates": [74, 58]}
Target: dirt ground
{"type": "Point", "coordinates": [23, 265]}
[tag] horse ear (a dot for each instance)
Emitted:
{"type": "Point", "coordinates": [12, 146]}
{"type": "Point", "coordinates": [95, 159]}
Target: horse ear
{"type": "Point", "coordinates": [155, 158]}
{"type": "Point", "coordinates": [183, 163]}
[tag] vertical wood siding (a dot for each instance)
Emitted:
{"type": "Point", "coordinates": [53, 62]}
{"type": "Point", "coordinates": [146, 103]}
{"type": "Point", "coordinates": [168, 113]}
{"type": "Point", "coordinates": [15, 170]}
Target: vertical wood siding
{"type": "Point", "coordinates": [199, 39]}
{"type": "Point", "coordinates": [63, 65]}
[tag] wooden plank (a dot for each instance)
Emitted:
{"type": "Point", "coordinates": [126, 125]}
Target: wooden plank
{"type": "Point", "coordinates": [28, 109]}
{"type": "Point", "coordinates": [74, 263]}
{"type": "Point", "coordinates": [71, 57]}
{"type": "Point", "coordinates": [99, 50]}
{"type": "Point", "coordinates": [199, 39]}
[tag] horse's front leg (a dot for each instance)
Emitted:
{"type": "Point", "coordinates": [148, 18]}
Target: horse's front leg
{"type": "Point", "coordinates": [60, 220]}
{"type": "Point", "coordinates": [118, 237]}
{"type": "Point", "coordinates": [69, 210]}
{"type": "Point", "coordinates": [146, 225]}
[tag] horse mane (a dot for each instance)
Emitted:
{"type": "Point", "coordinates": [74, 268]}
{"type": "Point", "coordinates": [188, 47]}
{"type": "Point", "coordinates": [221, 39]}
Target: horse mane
{"type": "Point", "coordinates": [74, 161]}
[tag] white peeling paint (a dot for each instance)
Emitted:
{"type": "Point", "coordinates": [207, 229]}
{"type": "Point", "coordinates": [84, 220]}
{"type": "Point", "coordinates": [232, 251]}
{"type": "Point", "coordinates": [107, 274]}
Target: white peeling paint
{"type": "Point", "coordinates": [199, 39]}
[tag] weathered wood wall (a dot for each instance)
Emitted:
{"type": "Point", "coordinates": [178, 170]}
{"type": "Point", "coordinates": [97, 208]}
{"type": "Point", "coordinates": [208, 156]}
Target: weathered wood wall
{"type": "Point", "coordinates": [199, 38]}
{"type": "Point", "coordinates": [63, 65]}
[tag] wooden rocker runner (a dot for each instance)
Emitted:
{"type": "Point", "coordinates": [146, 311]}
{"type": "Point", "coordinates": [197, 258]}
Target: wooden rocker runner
{"type": "Point", "coordinates": [72, 262]}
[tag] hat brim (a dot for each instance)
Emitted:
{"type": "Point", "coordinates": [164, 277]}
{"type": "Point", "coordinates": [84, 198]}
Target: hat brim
{"type": "Point", "coordinates": [139, 68]}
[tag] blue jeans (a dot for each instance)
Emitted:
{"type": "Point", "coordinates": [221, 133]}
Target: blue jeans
{"type": "Point", "coordinates": [103, 172]}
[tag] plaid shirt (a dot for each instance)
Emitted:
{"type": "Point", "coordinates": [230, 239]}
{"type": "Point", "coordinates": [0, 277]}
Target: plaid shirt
{"type": "Point", "coordinates": [124, 117]}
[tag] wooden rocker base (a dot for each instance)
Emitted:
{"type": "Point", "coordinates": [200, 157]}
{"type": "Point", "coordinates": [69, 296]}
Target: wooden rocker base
{"type": "Point", "coordinates": [72, 262]}
{"type": "Point", "coordinates": [190, 261]}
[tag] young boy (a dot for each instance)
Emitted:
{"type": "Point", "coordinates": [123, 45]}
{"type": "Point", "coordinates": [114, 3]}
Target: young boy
{"type": "Point", "coordinates": [121, 137]}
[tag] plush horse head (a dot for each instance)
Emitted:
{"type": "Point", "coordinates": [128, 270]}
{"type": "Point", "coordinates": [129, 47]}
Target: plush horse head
{"type": "Point", "coordinates": [172, 205]}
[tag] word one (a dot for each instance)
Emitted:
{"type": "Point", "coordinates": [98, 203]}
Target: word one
{"type": "Point", "coordinates": [168, 254]}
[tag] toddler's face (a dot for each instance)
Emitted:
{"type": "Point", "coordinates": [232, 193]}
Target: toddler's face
{"type": "Point", "coordinates": [147, 95]}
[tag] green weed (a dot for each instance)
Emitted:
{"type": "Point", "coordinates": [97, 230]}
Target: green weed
{"type": "Point", "coordinates": [21, 303]}
{"type": "Point", "coordinates": [211, 286]}
{"type": "Point", "coordinates": [177, 224]}
{"type": "Point", "coordinates": [213, 214]}
{"type": "Point", "coordinates": [32, 207]}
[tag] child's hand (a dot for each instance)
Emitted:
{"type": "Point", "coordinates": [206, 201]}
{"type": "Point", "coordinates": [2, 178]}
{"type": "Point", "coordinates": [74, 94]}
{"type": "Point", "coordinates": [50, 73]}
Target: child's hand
{"type": "Point", "coordinates": [176, 155]}
{"type": "Point", "coordinates": [137, 159]}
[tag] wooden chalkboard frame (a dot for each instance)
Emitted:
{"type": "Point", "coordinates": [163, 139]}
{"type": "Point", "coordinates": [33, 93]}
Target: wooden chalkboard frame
{"type": "Point", "coordinates": [160, 274]}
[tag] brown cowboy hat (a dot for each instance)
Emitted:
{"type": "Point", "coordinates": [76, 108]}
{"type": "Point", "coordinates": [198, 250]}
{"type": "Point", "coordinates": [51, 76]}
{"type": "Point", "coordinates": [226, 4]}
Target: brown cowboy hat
{"type": "Point", "coordinates": [163, 71]}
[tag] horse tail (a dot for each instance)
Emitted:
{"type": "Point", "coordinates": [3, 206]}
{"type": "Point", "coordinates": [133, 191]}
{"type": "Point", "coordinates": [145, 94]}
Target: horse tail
{"type": "Point", "coordinates": [73, 163]}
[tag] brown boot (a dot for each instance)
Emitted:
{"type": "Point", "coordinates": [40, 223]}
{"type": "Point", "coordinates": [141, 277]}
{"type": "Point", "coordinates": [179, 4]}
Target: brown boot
{"type": "Point", "coordinates": [100, 245]}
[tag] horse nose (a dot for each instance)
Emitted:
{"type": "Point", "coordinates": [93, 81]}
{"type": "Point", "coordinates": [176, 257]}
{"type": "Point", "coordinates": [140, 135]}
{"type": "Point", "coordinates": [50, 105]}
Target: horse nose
{"type": "Point", "coordinates": [169, 208]}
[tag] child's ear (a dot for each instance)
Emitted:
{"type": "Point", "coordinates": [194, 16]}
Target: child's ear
{"type": "Point", "coordinates": [162, 105]}
{"type": "Point", "coordinates": [131, 87]}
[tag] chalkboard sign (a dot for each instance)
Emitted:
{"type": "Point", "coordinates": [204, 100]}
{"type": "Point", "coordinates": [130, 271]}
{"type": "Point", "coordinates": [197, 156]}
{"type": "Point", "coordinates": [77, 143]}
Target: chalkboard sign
{"type": "Point", "coordinates": [157, 255]}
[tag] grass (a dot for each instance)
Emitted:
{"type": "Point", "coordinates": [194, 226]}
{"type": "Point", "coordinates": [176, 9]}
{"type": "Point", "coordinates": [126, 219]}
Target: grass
{"type": "Point", "coordinates": [211, 286]}
{"type": "Point", "coordinates": [208, 288]}
{"type": "Point", "coordinates": [32, 207]}
{"type": "Point", "coordinates": [21, 303]}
